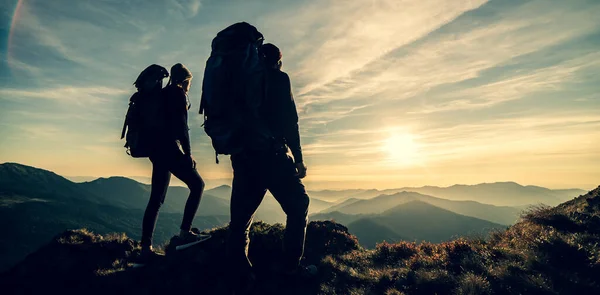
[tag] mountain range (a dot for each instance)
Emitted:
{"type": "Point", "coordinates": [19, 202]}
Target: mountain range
{"type": "Point", "coordinates": [39, 204]}
{"type": "Point", "coordinates": [551, 250]}
{"type": "Point", "coordinates": [498, 214]}
{"type": "Point", "coordinates": [497, 193]}
{"type": "Point", "coordinates": [412, 221]}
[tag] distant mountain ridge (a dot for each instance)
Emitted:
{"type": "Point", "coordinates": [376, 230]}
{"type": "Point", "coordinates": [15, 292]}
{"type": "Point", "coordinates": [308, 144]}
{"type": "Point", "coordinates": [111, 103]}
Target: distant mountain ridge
{"type": "Point", "coordinates": [41, 203]}
{"type": "Point", "coordinates": [38, 204]}
{"type": "Point", "coordinates": [128, 193]}
{"type": "Point", "coordinates": [497, 193]}
{"type": "Point", "coordinates": [414, 220]}
{"type": "Point", "coordinates": [498, 214]}
{"type": "Point", "coordinates": [370, 232]}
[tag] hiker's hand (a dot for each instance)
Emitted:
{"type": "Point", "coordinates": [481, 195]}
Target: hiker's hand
{"type": "Point", "coordinates": [301, 170]}
{"type": "Point", "coordinates": [192, 161]}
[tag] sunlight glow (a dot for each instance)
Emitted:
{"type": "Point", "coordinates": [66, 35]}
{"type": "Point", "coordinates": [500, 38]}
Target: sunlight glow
{"type": "Point", "coordinates": [402, 149]}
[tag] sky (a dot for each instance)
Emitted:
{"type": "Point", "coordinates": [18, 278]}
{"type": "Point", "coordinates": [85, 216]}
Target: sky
{"type": "Point", "coordinates": [390, 93]}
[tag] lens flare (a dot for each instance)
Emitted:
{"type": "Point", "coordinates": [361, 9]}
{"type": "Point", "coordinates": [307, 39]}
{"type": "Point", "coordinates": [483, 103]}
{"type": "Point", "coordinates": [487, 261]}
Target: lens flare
{"type": "Point", "coordinates": [13, 23]}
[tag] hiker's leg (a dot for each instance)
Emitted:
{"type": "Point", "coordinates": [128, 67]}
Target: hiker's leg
{"type": "Point", "coordinates": [291, 194]}
{"type": "Point", "coordinates": [248, 191]}
{"type": "Point", "coordinates": [160, 182]}
{"type": "Point", "coordinates": [183, 170]}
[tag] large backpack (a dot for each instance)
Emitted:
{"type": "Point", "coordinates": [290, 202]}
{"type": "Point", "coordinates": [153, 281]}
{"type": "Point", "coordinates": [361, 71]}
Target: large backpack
{"type": "Point", "coordinates": [233, 88]}
{"type": "Point", "coordinates": [145, 115]}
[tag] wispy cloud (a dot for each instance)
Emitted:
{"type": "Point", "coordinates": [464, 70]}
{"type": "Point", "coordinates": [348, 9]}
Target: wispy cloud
{"type": "Point", "coordinates": [549, 79]}
{"type": "Point", "coordinates": [30, 26]}
{"type": "Point", "coordinates": [331, 40]}
{"type": "Point", "coordinates": [454, 55]}
{"type": "Point", "coordinates": [76, 95]}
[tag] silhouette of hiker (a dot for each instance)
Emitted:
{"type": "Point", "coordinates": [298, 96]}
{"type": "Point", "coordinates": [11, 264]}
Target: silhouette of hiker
{"type": "Point", "coordinates": [270, 168]}
{"type": "Point", "coordinates": [167, 158]}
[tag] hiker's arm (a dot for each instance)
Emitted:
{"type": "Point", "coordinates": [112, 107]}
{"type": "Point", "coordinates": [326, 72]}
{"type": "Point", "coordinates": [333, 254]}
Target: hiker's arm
{"type": "Point", "coordinates": [291, 129]}
{"type": "Point", "coordinates": [184, 140]}
{"type": "Point", "coordinates": [180, 127]}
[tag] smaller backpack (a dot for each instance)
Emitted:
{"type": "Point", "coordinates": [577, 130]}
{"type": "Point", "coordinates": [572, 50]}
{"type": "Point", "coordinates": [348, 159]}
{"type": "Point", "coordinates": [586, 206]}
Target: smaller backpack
{"type": "Point", "coordinates": [145, 116]}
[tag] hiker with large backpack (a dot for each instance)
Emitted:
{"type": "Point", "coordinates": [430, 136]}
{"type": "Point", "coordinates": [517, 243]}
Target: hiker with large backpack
{"type": "Point", "coordinates": [250, 114]}
{"type": "Point", "coordinates": [158, 129]}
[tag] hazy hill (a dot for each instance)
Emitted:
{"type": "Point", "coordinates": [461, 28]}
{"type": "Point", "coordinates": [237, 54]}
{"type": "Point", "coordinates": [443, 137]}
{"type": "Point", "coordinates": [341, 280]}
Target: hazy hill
{"type": "Point", "coordinates": [340, 204]}
{"type": "Point", "coordinates": [222, 192]}
{"type": "Point", "coordinates": [335, 195]}
{"type": "Point", "coordinates": [21, 183]}
{"type": "Point", "coordinates": [337, 216]}
{"type": "Point", "coordinates": [413, 221]}
{"type": "Point", "coordinates": [42, 204]}
{"type": "Point", "coordinates": [38, 204]}
{"type": "Point", "coordinates": [420, 221]}
{"type": "Point", "coordinates": [498, 193]}
{"type": "Point", "coordinates": [128, 193]}
{"type": "Point", "coordinates": [269, 210]}
{"type": "Point", "coordinates": [551, 251]}
{"type": "Point", "coordinates": [28, 225]}
{"type": "Point", "coordinates": [498, 214]}
{"type": "Point", "coordinates": [370, 232]}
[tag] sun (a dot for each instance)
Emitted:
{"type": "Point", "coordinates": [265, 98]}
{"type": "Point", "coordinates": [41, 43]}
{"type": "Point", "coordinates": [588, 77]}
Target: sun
{"type": "Point", "coordinates": [402, 149]}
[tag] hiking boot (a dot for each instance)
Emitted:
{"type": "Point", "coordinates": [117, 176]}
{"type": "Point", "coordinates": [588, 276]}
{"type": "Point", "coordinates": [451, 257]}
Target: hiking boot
{"type": "Point", "coordinates": [147, 257]}
{"type": "Point", "coordinates": [189, 239]}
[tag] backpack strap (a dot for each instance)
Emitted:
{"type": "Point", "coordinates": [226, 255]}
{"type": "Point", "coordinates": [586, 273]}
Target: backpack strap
{"type": "Point", "coordinates": [202, 104]}
{"type": "Point", "coordinates": [127, 117]}
{"type": "Point", "coordinates": [124, 128]}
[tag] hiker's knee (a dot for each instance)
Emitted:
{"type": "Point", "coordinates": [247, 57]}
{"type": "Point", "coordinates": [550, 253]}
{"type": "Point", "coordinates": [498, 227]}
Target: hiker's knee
{"type": "Point", "coordinates": [155, 202]}
{"type": "Point", "coordinates": [299, 210]}
{"type": "Point", "coordinates": [197, 187]}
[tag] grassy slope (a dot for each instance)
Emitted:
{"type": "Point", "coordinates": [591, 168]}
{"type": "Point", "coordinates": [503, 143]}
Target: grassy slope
{"type": "Point", "coordinates": [551, 251]}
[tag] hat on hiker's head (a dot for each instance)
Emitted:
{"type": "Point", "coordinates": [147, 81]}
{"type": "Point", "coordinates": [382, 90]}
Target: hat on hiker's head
{"type": "Point", "coordinates": [152, 74]}
{"type": "Point", "coordinates": [272, 53]}
{"type": "Point", "coordinates": [180, 73]}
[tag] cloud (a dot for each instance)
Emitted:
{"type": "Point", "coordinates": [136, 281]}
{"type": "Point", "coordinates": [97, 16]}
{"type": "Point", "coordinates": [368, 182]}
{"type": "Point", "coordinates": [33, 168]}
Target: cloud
{"type": "Point", "coordinates": [77, 95]}
{"type": "Point", "coordinates": [23, 69]}
{"type": "Point", "coordinates": [331, 39]}
{"type": "Point", "coordinates": [548, 79]}
{"type": "Point", "coordinates": [194, 7]}
{"type": "Point", "coordinates": [467, 47]}
{"type": "Point", "coordinates": [29, 24]}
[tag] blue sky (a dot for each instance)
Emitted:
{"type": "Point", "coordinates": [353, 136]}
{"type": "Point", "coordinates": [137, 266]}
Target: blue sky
{"type": "Point", "coordinates": [390, 93]}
